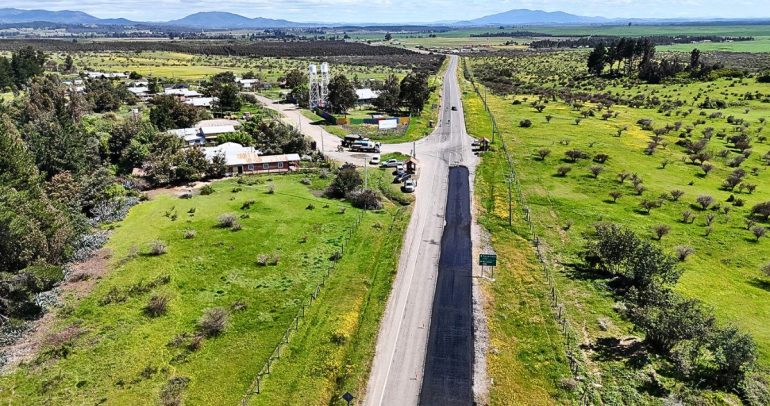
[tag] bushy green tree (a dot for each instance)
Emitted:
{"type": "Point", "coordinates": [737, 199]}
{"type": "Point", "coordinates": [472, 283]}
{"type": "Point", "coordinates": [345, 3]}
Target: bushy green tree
{"type": "Point", "coordinates": [342, 95]}
{"type": "Point", "coordinates": [168, 113]}
{"type": "Point", "coordinates": [415, 92]}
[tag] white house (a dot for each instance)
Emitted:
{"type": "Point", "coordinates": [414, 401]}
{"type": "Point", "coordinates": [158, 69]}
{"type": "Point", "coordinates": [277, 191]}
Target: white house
{"type": "Point", "coordinates": [106, 75]}
{"type": "Point", "coordinates": [181, 92]}
{"type": "Point", "coordinates": [205, 102]}
{"type": "Point", "coordinates": [240, 159]}
{"type": "Point", "coordinates": [248, 83]}
{"type": "Point", "coordinates": [366, 96]}
{"type": "Point", "coordinates": [192, 136]}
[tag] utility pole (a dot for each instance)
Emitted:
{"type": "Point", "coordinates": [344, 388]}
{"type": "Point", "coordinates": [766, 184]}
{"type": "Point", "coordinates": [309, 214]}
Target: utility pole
{"type": "Point", "coordinates": [366, 173]}
{"type": "Point", "coordinates": [414, 149]}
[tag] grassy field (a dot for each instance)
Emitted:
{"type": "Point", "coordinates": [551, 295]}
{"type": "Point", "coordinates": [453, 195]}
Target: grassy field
{"type": "Point", "coordinates": [121, 356]}
{"type": "Point", "coordinates": [461, 38]}
{"type": "Point", "coordinates": [185, 67]}
{"type": "Point", "coordinates": [526, 362]}
{"type": "Point", "coordinates": [724, 272]}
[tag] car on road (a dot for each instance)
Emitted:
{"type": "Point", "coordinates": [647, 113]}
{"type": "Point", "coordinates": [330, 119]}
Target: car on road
{"type": "Point", "coordinates": [454, 108]}
{"type": "Point", "coordinates": [391, 163]}
{"type": "Point", "coordinates": [375, 160]}
{"type": "Point", "coordinates": [409, 186]}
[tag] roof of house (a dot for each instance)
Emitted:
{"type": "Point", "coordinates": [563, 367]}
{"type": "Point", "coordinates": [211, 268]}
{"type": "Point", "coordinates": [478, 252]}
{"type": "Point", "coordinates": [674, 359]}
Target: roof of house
{"type": "Point", "coordinates": [139, 90]}
{"type": "Point", "coordinates": [217, 122]}
{"type": "Point", "coordinates": [181, 92]}
{"type": "Point", "coordinates": [236, 154]}
{"type": "Point", "coordinates": [201, 101]}
{"type": "Point", "coordinates": [222, 129]}
{"type": "Point", "coordinates": [367, 94]}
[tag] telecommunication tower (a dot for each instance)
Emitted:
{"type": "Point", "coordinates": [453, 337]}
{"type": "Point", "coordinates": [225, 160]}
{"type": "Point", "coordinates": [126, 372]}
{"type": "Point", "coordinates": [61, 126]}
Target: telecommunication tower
{"type": "Point", "coordinates": [318, 83]}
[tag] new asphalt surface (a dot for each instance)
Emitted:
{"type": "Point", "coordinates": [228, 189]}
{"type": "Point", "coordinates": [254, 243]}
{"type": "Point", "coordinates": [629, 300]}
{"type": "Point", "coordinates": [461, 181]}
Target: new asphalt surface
{"type": "Point", "coordinates": [448, 374]}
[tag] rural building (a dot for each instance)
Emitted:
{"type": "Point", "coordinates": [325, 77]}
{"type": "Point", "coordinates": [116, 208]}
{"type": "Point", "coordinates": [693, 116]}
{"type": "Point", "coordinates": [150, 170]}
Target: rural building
{"type": "Point", "coordinates": [191, 136]}
{"type": "Point", "coordinates": [248, 83]}
{"type": "Point", "coordinates": [181, 93]}
{"type": "Point", "coordinates": [204, 102]}
{"type": "Point", "coordinates": [366, 96]}
{"type": "Point", "coordinates": [106, 75]}
{"type": "Point", "coordinates": [245, 160]}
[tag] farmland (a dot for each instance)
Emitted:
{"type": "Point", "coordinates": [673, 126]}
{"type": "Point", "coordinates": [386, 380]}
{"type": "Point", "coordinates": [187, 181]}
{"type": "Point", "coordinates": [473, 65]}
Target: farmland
{"type": "Point", "coordinates": [541, 112]}
{"type": "Point", "coordinates": [107, 347]}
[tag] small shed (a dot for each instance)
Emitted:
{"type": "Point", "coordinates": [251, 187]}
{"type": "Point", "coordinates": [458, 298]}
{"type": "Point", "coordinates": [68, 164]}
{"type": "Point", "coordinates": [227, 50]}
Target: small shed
{"type": "Point", "coordinates": [411, 165]}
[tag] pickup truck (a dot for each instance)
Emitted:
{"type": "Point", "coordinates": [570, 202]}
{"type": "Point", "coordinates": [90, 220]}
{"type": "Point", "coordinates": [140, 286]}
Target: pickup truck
{"type": "Point", "coordinates": [391, 163]}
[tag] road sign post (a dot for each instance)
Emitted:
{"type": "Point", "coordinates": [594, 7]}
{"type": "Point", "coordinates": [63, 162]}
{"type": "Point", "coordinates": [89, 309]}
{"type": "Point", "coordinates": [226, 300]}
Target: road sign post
{"type": "Point", "coordinates": [489, 260]}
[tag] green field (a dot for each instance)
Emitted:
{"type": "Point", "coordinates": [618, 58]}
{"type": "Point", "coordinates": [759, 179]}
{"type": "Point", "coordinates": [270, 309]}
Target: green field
{"type": "Point", "coordinates": [186, 67]}
{"type": "Point", "coordinates": [118, 355]}
{"type": "Point", "coordinates": [724, 272]}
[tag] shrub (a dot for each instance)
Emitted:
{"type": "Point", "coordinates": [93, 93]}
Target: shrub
{"type": "Point", "coordinates": [310, 206]}
{"type": "Point", "coordinates": [157, 247]}
{"type": "Point", "coordinates": [543, 153]}
{"type": "Point", "coordinates": [661, 230]}
{"type": "Point", "coordinates": [601, 158]}
{"type": "Point", "coordinates": [157, 306]}
{"type": "Point", "coordinates": [687, 217]}
{"type": "Point", "coordinates": [596, 170]}
{"type": "Point", "coordinates": [704, 201]}
{"type": "Point", "coordinates": [366, 199]}
{"type": "Point", "coordinates": [759, 232]}
{"type": "Point", "coordinates": [766, 269]}
{"type": "Point", "coordinates": [676, 194]}
{"type": "Point", "coordinates": [213, 322]}
{"type": "Point", "coordinates": [683, 251]}
{"type": "Point", "coordinates": [236, 226]}
{"type": "Point", "coordinates": [526, 123]}
{"type": "Point", "coordinates": [563, 170]}
{"type": "Point", "coordinates": [227, 220]}
{"type": "Point", "coordinates": [171, 394]}
{"type": "Point", "coordinates": [190, 234]}
{"type": "Point", "coordinates": [271, 188]}
{"type": "Point", "coordinates": [346, 181]}
{"type": "Point", "coordinates": [247, 204]}
{"type": "Point", "coordinates": [306, 181]}
{"type": "Point", "coordinates": [574, 154]}
{"type": "Point", "coordinates": [615, 195]}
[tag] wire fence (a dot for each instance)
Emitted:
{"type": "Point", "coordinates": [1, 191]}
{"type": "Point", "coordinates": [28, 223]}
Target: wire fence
{"type": "Point", "coordinates": [571, 339]}
{"type": "Point", "coordinates": [257, 384]}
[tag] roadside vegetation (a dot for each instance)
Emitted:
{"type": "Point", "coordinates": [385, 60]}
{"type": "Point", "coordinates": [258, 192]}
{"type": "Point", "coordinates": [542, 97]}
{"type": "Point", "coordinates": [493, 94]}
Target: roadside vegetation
{"type": "Point", "coordinates": [209, 284]}
{"type": "Point", "coordinates": [667, 161]}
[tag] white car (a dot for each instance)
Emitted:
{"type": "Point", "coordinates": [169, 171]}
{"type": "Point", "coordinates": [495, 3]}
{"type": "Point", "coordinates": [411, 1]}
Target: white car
{"type": "Point", "coordinates": [400, 167]}
{"type": "Point", "coordinates": [391, 163]}
{"type": "Point", "coordinates": [409, 186]}
{"type": "Point", "coordinates": [375, 160]}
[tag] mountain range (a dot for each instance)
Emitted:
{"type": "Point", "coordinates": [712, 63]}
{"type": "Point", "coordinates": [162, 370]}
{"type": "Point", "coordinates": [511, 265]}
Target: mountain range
{"type": "Point", "coordinates": [221, 20]}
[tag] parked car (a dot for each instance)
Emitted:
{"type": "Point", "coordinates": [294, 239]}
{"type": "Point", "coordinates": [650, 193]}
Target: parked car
{"type": "Point", "coordinates": [375, 160]}
{"type": "Point", "coordinates": [409, 186]}
{"type": "Point", "coordinates": [398, 172]}
{"type": "Point", "coordinates": [391, 163]}
{"type": "Point", "coordinates": [400, 167]}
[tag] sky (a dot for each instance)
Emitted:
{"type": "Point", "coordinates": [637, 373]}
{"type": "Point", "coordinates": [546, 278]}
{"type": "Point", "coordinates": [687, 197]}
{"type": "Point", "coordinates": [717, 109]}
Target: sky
{"type": "Point", "coordinates": [399, 11]}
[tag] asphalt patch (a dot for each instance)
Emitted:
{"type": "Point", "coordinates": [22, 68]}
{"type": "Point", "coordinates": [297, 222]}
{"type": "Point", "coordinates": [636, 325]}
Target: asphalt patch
{"type": "Point", "coordinates": [448, 375]}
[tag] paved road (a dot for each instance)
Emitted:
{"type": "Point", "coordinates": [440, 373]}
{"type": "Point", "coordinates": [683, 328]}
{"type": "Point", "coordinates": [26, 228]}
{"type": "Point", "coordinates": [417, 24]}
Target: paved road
{"type": "Point", "coordinates": [449, 357]}
{"type": "Point", "coordinates": [397, 372]}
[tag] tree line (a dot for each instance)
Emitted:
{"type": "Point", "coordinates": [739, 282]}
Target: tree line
{"type": "Point", "coordinates": [22, 65]}
{"type": "Point", "coordinates": [636, 57]}
{"type": "Point", "coordinates": [593, 41]}
{"type": "Point", "coordinates": [683, 331]}
{"type": "Point", "coordinates": [410, 93]}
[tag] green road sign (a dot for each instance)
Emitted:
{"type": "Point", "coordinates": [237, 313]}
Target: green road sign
{"type": "Point", "coordinates": [488, 259]}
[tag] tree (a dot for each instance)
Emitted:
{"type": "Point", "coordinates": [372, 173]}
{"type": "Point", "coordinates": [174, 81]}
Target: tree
{"type": "Point", "coordinates": [229, 98]}
{"type": "Point", "coordinates": [342, 96]}
{"type": "Point", "coordinates": [26, 63]}
{"type": "Point", "coordinates": [168, 113]}
{"type": "Point", "coordinates": [415, 92]}
{"type": "Point", "coordinates": [69, 64]}
{"type": "Point", "coordinates": [50, 120]}
{"type": "Point", "coordinates": [390, 95]}
{"type": "Point", "coordinates": [346, 181]}
{"type": "Point", "coordinates": [295, 78]}
{"type": "Point", "coordinates": [596, 170]}
{"type": "Point", "coordinates": [106, 96]}
{"type": "Point", "coordinates": [274, 137]}
{"type": "Point", "coordinates": [224, 88]}
{"type": "Point", "coordinates": [615, 195]}
{"type": "Point", "coordinates": [609, 247]}
{"type": "Point", "coordinates": [597, 59]}
{"type": "Point", "coordinates": [759, 232]}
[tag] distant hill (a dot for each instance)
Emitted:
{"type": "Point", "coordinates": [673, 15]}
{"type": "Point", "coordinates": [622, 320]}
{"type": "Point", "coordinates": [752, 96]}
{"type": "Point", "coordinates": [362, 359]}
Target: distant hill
{"type": "Point", "coordinates": [533, 17]}
{"type": "Point", "coordinates": [14, 15]}
{"type": "Point", "coordinates": [221, 20]}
